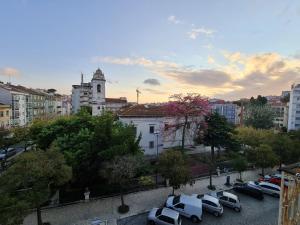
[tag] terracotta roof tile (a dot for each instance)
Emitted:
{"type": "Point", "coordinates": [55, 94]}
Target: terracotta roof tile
{"type": "Point", "coordinates": [115, 100]}
{"type": "Point", "coordinates": [143, 110]}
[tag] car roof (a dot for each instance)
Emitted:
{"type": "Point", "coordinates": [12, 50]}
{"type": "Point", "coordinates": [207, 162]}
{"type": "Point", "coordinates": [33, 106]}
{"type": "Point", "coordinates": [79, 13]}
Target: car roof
{"type": "Point", "coordinates": [190, 200]}
{"type": "Point", "coordinates": [269, 184]}
{"type": "Point", "coordinates": [230, 195]}
{"type": "Point", "coordinates": [210, 198]}
{"type": "Point", "coordinates": [170, 213]}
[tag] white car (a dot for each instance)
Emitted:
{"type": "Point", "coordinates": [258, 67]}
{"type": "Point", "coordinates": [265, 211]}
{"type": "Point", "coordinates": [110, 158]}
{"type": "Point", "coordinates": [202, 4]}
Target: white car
{"type": "Point", "coordinates": [211, 204]}
{"type": "Point", "coordinates": [269, 188]}
{"type": "Point", "coordinates": [187, 206]}
{"type": "Point", "coordinates": [163, 216]}
{"type": "Point", "coordinates": [228, 199]}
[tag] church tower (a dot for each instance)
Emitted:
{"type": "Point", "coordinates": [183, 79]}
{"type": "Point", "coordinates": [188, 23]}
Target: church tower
{"type": "Point", "coordinates": [98, 92]}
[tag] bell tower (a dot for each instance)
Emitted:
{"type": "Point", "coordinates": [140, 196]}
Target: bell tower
{"type": "Point", "coordinates": [98, 92]}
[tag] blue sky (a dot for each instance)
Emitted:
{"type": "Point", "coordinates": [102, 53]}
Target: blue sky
{"type": "Point", "coordinates": [227, 49]}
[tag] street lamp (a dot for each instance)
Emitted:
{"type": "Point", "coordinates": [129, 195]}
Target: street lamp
{"type": "Point", "coordinates": [156, 133]}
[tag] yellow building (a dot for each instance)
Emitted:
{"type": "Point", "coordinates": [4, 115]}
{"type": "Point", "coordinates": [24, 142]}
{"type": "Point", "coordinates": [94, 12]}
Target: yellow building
{"type": "Point", "coordinates": [5, 111]}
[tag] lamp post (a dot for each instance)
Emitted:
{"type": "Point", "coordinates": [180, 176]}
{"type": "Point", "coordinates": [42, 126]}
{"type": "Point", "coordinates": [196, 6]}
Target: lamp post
{"type": "Point", "coordinates": [156, 134]}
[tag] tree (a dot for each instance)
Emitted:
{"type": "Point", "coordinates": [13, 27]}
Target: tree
{"type": "Point", "coordinates": [172, 166]}
{"type": "Point", "coordinates": [240, 164]}
{"type": "Point", "coordinates": [265, 157]}
{"type": "Point", "coordinates": [217, 134]}
{"type": "Point", "coordinates": [259, 116]}
{"type": "Point", "coordinates": [251, 137]}
{"type": "Point", "coordinates": [21, 135]}
{"type": "Point", "coordinates": [282, 145]}
{"type": "Point", "coordinates": [31, 180]}
{"type": "Point", "coordinates": [260, 100]}
{"type": "Point", "coordinates": [121, 171]}
{"type": "Point", "coordinates": [186, 110]}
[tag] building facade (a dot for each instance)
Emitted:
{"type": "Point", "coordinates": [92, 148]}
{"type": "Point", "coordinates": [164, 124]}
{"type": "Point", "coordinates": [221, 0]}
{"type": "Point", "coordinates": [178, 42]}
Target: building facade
{"type": "Point", "coordinates": [280, 111]}
{"type": "Point", "coordinates": [27, 104]}
{"type": "Point", "coordinates": [227, 109]}
{"type": "Point", "coordinates": [5, 113]}
{"type": "Point", "coordinates": [294, 108]}
{"type": "Point", "coordinates": [92, 94]}
{"type": "Point", "coordinates": [156, 129]}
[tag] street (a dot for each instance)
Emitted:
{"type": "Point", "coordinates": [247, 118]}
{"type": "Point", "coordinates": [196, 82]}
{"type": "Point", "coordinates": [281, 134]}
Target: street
{"type": "Point", "coordinates": [254, 212]}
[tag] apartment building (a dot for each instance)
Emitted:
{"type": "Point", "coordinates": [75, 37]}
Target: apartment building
{"type": "Point", "coordinates": [294, 108]}
{"type": "Point", "coordinates": [5, 113]}
{"type": "Point", "coordinates": [227, 109]}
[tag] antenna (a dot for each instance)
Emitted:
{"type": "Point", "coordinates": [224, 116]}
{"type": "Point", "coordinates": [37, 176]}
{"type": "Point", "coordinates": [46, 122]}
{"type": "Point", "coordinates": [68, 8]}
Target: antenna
{"type": "Point", "coordinates": [137, 95]}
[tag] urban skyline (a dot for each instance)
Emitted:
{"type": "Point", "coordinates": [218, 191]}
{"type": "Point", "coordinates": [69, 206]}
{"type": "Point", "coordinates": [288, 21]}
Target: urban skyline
{"type": "Point", "coordinates": [208, 47]}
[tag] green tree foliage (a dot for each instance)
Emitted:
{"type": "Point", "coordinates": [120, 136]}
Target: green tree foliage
{"type": "Point", "coordinates": [284, 148]}
{"type": "Point", "coordinates": [5, 138]}
{"type": "Point", "coordinates": [251, 137]}
{"type": "Point", "coordinates": [240, 164]}
{"type": "Point", "coordinates": [264, 157]}
{"type": "Point", "coordinates": [260, 100]}
{"type": "Point", "coordinates": [258, 115]}
{"type": "Point", "coordinates": [121, 170]}
{"type": "Point", "coordinates": [30, 181]}
{"type": "Point", "coordinates": [172, 166]}
{"type": "Point", "coordinates": [217, 134]}
{"type": "Point", "coordinates": [86, 142]}
{"type": "Point", "coordinates": [21, 135]}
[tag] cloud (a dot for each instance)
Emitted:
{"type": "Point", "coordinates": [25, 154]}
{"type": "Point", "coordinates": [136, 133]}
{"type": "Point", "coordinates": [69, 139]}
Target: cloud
{"type": "Point", "coordinates": [152, 81]}
{"type": "Point", "coordinates": [9, 71]}
{"type": "Point", "coordinates": [195, 32]}
{"type": "Point", "coordinates": [208, 46]}
{"type": "Point", "coordinates": [155, 92]}
{"type": "Point", "coordinates": [240, 75]}
{"type": "Point", "coordinates": [210, 60]}
{"type": "Point", "coordinates": [174, 20]}
{"type": "Point", "coordinates": [112, 81]}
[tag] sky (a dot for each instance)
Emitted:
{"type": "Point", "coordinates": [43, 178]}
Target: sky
{"type": "Point", "coordinates": [227, 49]}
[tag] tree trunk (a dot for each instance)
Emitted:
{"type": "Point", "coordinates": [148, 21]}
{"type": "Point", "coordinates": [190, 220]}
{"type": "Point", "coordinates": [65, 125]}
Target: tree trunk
{"type": "Point", "coordinates": [212, 165]}
{"type": "Point", "coordinates": [183, 132]}
{"type": "Point", "coordinates": [39, 215]}
{"type": "Point", "coordinates": [218, 153]}
{"type": "Point", "coordinates": [122, 197]}
{"type": "Point", "coordinates": [173, 190]}
{"type": "Point", "coordinates": [263, 171]}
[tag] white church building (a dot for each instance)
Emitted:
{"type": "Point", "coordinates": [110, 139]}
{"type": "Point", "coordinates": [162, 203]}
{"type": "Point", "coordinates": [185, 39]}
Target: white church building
{"type": "Point", "coordinates": [93, 94]}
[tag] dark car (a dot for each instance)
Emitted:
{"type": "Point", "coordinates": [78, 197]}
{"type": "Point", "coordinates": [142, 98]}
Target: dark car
{"type": "Point", "coordinates": [248, 189]}
{"type": "Point", "coordinates": [10, 152]}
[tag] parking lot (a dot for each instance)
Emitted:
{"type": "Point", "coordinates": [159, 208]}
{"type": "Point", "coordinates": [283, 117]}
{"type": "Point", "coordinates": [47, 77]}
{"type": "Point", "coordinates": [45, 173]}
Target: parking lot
{"type": "Point", "coordinates": [254, 212]}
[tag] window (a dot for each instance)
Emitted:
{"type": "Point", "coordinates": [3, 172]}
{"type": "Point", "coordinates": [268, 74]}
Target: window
{"type": "Point", "coordinates": [179, 206]}
{"type": "Point", "coordinates": [99, 108]}
{"type": "Point", "coordinates": [232, 200]}
{"type": "Point", "coordinates": [1, 114]}
{"type": "Point", "coordinates": [151, 144]}
{"type": "Point", "coordinates": [151, 129]}
{"type": "Point", "coordinates": [85, 93]}
{"type": "Point", "coordinates": [7, 113]}
{"type": "Point", "coordinates": [98, 88]}
{"type": "Point", "coordinates": [188, 125]}
{"type": "Point", "coordinates": [166, 126]}
{"type": "Point", "coordinates": [167, 219]}
{"type": "Point", "coordinates": [224, 198]}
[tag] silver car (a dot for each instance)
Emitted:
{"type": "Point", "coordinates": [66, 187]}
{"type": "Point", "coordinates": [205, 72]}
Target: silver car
{"type": "Point", "coordinates": [211, 204]}
{"type": "Point", "coordinates": [163, 216]}
{"type": "Point", "coordinates": [268, 188]}
{"type": "Point", "coordinates": [228, 199]}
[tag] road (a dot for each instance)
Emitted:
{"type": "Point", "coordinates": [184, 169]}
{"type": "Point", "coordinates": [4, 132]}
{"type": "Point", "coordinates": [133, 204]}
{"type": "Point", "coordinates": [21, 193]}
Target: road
{"type": "Point", "coordinates": [254, 212]}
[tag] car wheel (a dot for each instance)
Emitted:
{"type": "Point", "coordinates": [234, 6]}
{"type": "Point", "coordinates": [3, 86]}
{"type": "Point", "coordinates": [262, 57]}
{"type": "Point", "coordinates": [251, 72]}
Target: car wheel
{"type": "Point", "coordinates": [194, 219]}
{"type": "Point", "coordinates": [151, 222]}
{"type": "Point", "coordinates": [276, 195]}
{"type": "Point", "coordinates": [237, 209]}
{"type": "Point", "coordinates": [216, 214]}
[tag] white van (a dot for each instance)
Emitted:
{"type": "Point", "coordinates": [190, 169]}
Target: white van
{"type": "Point", "coordinates": [187, 206]}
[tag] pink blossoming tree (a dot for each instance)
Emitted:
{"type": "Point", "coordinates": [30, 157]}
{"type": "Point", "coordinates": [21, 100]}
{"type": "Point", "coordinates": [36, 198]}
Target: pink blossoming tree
{"type": "Point", "coordinates": [187, 109]}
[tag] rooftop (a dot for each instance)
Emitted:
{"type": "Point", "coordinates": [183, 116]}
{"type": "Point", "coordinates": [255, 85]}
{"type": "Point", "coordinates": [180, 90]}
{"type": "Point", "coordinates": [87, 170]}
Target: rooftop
{"type": "Point", "coordinates": [143, 110]}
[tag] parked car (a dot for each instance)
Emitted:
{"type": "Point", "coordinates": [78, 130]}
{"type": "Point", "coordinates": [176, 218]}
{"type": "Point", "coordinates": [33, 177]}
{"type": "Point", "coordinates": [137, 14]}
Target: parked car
{"type": "Point", "coordinates": [248, 189]}
{"type": "Point", "coordinates": [10, 152]}
{"type": "Point", "coordinates": [163, 216]}
{"type": "Point", "coordinates": [211, 204]}
{"type": "Point", "coordinates": [228, 199]}
{"type": "Point", "coordinates": [268, 188]}
{"type": "Point", "coordinates": [2, 154]}
{"type": "Point", "coordinates": [187, 206]}
{"type": "Point", "coordinates": [274, 179]}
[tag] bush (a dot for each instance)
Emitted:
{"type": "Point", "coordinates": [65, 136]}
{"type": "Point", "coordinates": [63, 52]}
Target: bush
{"type": "Point", "coordinates": [146, 181]}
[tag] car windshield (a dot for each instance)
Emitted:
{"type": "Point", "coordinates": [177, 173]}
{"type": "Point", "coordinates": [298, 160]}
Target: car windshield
{"type": "Point", "coordinates": [176, 200]}
{"type": "Point", "coordinates": [158, 212]}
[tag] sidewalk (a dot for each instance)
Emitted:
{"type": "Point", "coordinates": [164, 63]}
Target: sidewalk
{"type": "Point", "coordinates": [106, 209]}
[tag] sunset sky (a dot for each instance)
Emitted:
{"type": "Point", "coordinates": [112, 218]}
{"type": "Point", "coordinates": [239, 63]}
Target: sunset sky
{"type": "Point", "coordinates": [218, 48]}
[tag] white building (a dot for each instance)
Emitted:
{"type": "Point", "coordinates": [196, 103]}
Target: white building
{"type": "Point", "coordinates": [294, 108]}
{"type": "Point", "coordinates": [93, 94]}
{"type": "Point", "coordinates": [17, 99]}
{"type": "Point", "coordinates": [157, 130]}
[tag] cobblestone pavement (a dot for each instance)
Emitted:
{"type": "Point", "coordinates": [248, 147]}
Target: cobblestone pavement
{"type": "Point", "coordinates": [254, 212]}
